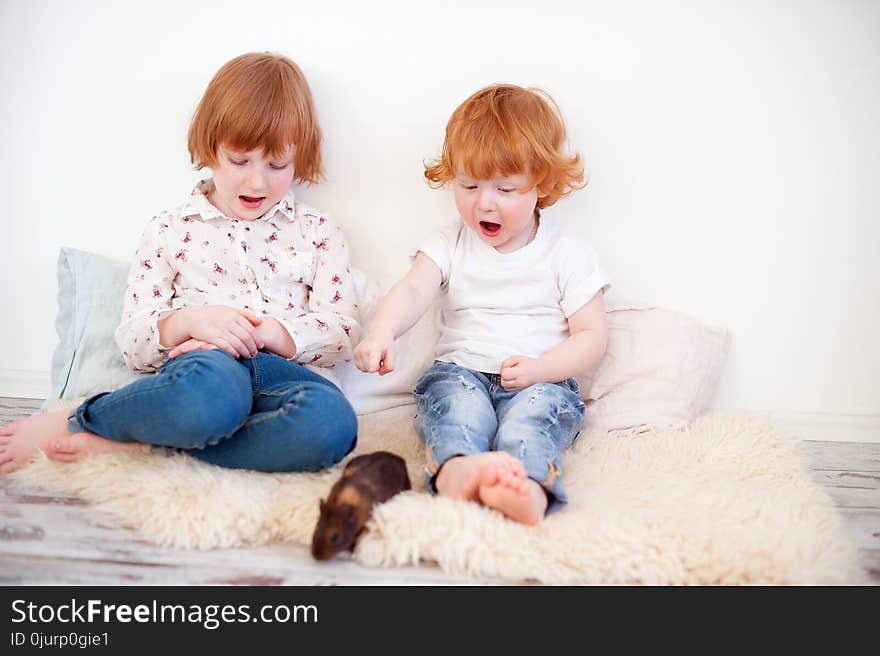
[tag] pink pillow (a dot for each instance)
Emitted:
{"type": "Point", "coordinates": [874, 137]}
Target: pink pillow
{"type": "Point", "coordinates": [660, 371]}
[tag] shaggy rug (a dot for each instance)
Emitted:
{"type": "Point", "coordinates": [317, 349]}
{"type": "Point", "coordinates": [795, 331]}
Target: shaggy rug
{"type": "Point", "coordinates": [726, 500]}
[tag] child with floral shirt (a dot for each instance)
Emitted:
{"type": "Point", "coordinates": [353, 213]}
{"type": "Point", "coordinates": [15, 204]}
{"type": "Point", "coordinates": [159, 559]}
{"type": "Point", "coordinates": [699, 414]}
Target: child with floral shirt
{"type": "Point", "coordinates": [230, 297]}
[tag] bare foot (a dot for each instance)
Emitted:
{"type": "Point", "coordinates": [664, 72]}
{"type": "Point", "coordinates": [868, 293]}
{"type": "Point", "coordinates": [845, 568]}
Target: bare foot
{"type": "Point", "coordinates": [22, 439]}
{"type": "Point", "coordinates": [75, 447]}
{"type": "Point", "coordinates": [521, 499]}
{"type": "Point", "coordinates": [461, 477]}
{"type": "Point", "coordinates": [47, 432]}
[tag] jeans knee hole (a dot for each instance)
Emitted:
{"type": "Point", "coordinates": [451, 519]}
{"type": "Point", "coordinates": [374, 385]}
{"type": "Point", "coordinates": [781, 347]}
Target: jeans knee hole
{"type": "Point", "coordinates": [537, 392]}
{"type": "Point", "coordinates": [295, 398]}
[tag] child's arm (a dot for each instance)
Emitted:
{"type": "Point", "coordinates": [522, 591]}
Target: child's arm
{"type": "Point", "coordinates": [582, 350]}
{"type": "Point", "coordinates": [148, 296]}
{"type": "Point", "coordinates": [230, 329]}
{"type": "Point", "coordinates": [269, 334]}
{"type": "Point", "coordinates": [399, 311]}
{"type": "Point", "coordinates": [151, 326]}
{"type": "Point", "coordinates": [325, 334]}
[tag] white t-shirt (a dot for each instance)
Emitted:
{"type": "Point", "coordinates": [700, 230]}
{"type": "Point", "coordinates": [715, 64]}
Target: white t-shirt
{"type": "Point", "coordinates": [497, 305]}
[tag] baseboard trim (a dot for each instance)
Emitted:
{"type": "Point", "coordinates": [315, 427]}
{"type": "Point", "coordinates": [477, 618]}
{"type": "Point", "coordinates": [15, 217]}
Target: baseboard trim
{"type": "Point", "coordinates": [829, 427]}
{"type": "Point", "coordinates": [24, 383]}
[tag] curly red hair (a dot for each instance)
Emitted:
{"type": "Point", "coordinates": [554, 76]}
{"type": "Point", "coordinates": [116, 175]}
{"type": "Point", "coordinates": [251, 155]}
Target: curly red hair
{"type": "Point", "coordinates": [509, 130]}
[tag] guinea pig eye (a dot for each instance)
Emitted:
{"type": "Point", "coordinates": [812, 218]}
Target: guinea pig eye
{"type": "Point", "coordinates": [334, 537]}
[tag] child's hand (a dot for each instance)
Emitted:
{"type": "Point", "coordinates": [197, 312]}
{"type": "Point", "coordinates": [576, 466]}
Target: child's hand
{"type": "Point", "coordinates": [518, 372]}
{"type": "Point", "coordinates": [273, 336]}
{"type": "Point", "coordinates": [227, 328]}
{"type": "Point", "coordinates": [375, 353]}
{"type": "Point", "coordinates": [190, 345]}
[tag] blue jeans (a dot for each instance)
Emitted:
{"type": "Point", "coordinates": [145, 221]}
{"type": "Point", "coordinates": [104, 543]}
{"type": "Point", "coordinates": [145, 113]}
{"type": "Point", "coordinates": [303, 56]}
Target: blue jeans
{"type": "Point", "coordinates": [464, 412]}
{"type": "Point", "coordinates": [264, 413]}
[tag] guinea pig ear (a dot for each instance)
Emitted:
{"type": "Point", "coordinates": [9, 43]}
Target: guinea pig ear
{"type": "Point", "coordinates": [349, 516]}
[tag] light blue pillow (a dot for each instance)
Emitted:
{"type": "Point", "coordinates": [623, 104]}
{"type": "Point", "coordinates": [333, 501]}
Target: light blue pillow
{"type": "Point", "coordinates": [91, 288]}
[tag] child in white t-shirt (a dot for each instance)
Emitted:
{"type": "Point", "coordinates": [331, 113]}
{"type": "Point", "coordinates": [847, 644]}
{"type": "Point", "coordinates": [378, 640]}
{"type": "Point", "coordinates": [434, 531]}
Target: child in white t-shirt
{"type": "Point", "coordinates": [522, 309]}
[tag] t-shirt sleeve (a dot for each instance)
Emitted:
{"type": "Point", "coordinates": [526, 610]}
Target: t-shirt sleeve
{"type": "Point", "coordinates": [440, 246]}
{"type": "Point", "coordinates": [580, 276]}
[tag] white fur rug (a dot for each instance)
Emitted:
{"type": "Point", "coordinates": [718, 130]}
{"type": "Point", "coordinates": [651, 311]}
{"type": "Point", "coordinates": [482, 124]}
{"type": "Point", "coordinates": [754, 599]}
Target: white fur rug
{"type": "Point", "coordinates": [727, 500]}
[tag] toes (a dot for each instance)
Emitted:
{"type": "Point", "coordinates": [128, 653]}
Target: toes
{"type": "Point", "coordinates": [8, 467]}
{"type": "Point", "coordinates": [515, 470]}
{"type": "Point", "coordinates": [521, 485]}
{"type": "Point", "coordinates": [64, 445]}
{"type": "Point", "coordinates": [513, 463]}
{"type": "Point", "coordinates": [514, 483]}
{"type": "Point", "coordinates": [489, 474]}
{"type": "Point", "coordinates": [8, 429]}
{"type": "Point", "coordinates": [67, 457]}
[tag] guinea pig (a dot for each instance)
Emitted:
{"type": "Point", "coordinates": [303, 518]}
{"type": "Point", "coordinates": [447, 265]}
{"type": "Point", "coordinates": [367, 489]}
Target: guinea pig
{"type": "Point", "coordinates": [366, 481]}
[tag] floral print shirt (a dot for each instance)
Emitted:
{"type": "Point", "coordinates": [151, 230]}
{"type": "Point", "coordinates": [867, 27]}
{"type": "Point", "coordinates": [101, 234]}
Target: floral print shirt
{"type": "Point", "coordinates": [292, 264]}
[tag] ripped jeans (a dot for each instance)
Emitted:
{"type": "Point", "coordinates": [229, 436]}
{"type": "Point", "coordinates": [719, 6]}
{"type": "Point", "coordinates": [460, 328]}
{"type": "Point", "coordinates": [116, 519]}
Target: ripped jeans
{"type": "Point", "coordinates": [464, 412]}
{"type": "Point", "coordinates": [264, 413]}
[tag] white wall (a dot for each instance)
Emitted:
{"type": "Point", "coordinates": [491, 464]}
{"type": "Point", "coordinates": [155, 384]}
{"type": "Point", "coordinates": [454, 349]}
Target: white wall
{"type": "Point", "coordinates": [734, 150]}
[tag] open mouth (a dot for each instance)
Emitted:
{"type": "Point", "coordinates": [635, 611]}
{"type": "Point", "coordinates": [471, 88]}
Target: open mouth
{"type": "Point", "coordinates": [251, 202]}
{"type": "Point", "coordinates": [490, 229]}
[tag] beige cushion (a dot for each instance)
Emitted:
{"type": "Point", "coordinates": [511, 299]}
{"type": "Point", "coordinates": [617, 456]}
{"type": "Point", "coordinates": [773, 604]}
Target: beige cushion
{"type": "Point", "coordinates": [661, 370]}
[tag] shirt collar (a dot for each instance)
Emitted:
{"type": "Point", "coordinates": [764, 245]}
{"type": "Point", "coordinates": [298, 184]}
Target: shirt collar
{"type": "Point", "coordinates": [199, 205]}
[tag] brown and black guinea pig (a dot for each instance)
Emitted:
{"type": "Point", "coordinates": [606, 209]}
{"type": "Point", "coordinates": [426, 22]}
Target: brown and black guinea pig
{"type": "Point", "coordinates": [366, 481]}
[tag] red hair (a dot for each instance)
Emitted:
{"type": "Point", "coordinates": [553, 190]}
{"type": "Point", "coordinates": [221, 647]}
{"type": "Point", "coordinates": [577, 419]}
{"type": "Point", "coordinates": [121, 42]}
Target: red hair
{"type": "Point", "coordinates": [258, 100]}
{"type": "Point", "coordinates": [509, 130]}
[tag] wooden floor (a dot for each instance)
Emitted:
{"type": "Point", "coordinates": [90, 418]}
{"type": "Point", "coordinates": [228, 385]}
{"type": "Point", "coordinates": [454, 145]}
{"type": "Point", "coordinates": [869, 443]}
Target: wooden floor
{"type": "Point", "coordinates": [61, 541]}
